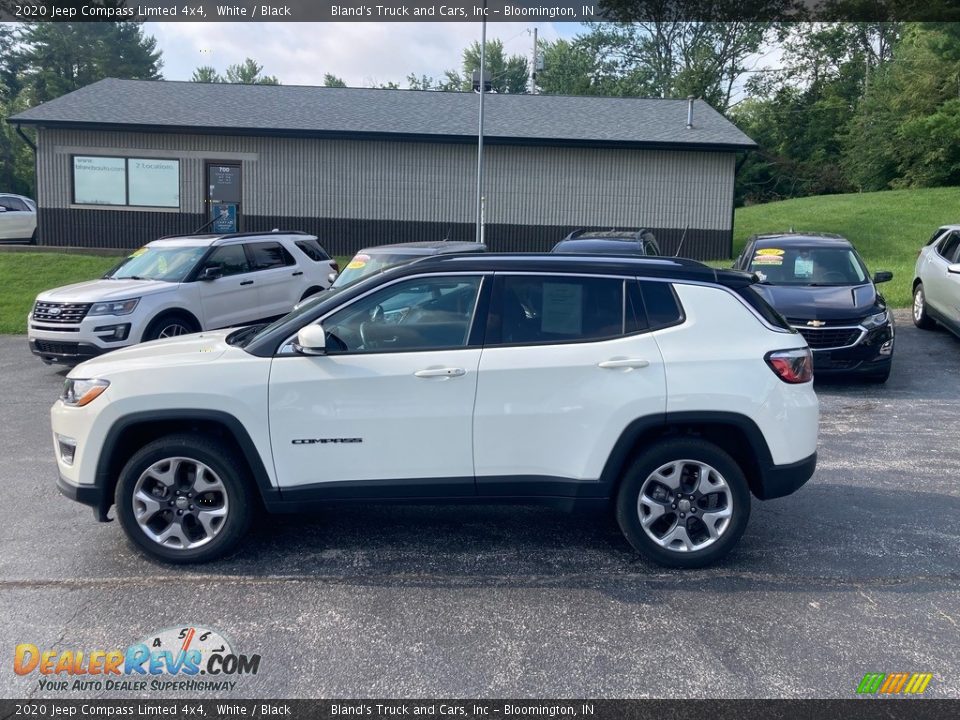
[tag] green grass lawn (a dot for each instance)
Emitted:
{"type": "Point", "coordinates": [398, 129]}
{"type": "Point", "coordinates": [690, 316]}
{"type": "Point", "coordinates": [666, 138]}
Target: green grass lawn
{"type": "Point", "coordinates": [887, 228]}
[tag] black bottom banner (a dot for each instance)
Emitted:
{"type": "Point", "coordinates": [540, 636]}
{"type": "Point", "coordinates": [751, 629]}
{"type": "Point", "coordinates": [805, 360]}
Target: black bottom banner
{"type": "Point", "coordinates": [854, 709]}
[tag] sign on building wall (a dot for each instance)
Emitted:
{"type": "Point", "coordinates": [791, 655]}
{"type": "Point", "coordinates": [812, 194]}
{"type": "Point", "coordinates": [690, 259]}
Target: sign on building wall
{"type": "Point", "coordinates": [141, 182]}
{"type": "Point", "coordinates": [99, 180]}
{"type": "Point", "coordinates": [154, 183]}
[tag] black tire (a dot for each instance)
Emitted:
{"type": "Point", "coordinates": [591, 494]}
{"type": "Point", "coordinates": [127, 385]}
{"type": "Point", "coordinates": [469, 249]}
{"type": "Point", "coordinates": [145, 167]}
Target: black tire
{"type": "Point", "coordinates": [921, 317]}
{"type": "Point", "coordinates": [669, 451]}
{"type": "Point", "coordinates": [232, 475]}
{"type": "Point", "coordinates": [164, 326]}
{"type": "Point", "coordinates": [311, 291]}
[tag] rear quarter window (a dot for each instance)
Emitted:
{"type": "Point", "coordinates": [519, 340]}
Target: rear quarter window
{"type": "Point", "coordinates": [661, 305]}
{"type": "Point", "coordinates": [313, 250]}
{"type": "Point", "coordinates": [763, 308]}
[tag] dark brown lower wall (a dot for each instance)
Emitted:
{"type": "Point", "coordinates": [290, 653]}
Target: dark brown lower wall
{"type": "Point", "coordinates": [131, 229]}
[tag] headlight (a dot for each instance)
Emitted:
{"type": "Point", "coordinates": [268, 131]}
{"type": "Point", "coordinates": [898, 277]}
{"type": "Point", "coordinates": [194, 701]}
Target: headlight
{"type": "Point", "coordinates": [875, 321]}
{"type": "Point", "coordinates": [117, 307]}
{"type": "Point", "coordinates": [77, 393]}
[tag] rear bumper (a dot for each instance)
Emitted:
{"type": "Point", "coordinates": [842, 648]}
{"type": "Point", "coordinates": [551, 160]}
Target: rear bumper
{"type": "Point", "coordinates": [780, 480]}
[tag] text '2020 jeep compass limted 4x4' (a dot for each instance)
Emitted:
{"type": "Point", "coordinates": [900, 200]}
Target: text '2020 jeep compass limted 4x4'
{"type": "Point", "coordinates": [663, 387]}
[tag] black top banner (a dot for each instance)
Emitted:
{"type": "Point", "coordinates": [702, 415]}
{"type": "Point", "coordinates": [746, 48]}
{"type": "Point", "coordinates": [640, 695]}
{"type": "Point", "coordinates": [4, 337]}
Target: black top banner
{"type": "Point", "coordinates": [532, 11]}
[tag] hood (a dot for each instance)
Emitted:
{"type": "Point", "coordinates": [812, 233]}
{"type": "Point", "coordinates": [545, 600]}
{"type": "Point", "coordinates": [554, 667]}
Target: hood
{"type": "Point", "coordinates": [105, 290]}
{"type": "Point", "coordinates": [847, 302]}
{"type": "Point", "coordinates": [201, 347]}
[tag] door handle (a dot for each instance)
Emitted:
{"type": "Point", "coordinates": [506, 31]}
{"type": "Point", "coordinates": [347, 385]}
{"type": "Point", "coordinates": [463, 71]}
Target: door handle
{"type": "Point", "coordinates": [247, 282]}
{"type": "Point", "coordinates": [298, 272]}
{"type": "Point", "coordinates": [623, 363]}
{"type": "Point", "coordinates": [440, 372]}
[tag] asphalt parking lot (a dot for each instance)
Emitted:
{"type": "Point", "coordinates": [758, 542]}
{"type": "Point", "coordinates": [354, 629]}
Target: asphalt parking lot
{"type": "Point", "coordinates": [858, 572]}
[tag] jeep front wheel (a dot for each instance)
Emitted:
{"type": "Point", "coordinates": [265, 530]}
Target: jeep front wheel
{"type": "Point", "coordinates": [183, 499]}
{"type": "Point", "coordinates": [683, 503]}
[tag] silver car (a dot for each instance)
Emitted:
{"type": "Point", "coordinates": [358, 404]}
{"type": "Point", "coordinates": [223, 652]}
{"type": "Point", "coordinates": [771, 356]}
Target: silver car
{"type": "Point", "coordinates": [18, 218]}
{"type": "Point", "coordinates": [936, 284]}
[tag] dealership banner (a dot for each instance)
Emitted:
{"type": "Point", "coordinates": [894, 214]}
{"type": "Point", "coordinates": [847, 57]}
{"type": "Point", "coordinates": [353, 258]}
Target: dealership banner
{"type": "Point", "coordinates": [511, 709]}
{"type": "Point", "coordinates": [475, 10]}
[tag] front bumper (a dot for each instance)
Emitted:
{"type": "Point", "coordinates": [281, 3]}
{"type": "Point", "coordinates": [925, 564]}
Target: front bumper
{"type": "Point", "coordinates": [872, 355]}
{"type": "Point", "coordinates": [91, 495]}
{"type": "Point", "coordinates": [65, 353]}
{"type": "Point", "coordinates": [780, 480]}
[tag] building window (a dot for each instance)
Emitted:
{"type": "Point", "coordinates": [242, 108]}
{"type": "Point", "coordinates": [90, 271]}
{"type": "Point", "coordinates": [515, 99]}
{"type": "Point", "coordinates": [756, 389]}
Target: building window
{"type": "Point", "coordinates": [140, 182]}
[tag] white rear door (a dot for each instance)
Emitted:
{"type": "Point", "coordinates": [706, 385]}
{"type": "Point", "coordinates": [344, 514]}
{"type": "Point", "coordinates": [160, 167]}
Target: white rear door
{"type": "Point", "coordinates": [566, 367]}
{"type": "Point", "coordinates": [280, 281]}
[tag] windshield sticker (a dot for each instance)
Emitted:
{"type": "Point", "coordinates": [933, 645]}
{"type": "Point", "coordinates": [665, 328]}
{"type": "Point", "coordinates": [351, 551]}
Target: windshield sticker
{"type": "Point", "coordinates": [138, 253]}
{"type": "Point", "coordinates": [768, 260]}
{"type": "Point", "coordinates": [356, 265]}
{"type": "Point", "coordinates": [769, 251]}
{"type": "Point", "coordinates": [803, 267]}
{"type": "Point", "coordinates": [562, 308]}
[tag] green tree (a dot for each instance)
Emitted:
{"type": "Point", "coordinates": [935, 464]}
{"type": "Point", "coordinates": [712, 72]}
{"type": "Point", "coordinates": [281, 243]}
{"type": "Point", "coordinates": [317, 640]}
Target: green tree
{"type": "Point", "coordinates": [330, 80]}
{"type": "Point", "coordinates": [249, 72]}
{"type": "Point", "coordinates": [206, 74]}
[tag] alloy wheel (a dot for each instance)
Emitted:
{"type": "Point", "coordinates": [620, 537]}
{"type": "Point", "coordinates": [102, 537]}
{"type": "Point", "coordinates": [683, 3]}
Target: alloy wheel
{"type": "Point", "coordinates": [918, 305]}
{"type": "Point", "coordinates": [685, 505]}
{"type": "Point", "coordinates": [180, 503]}
{"type": "Point", "coordinates": [172, 330]}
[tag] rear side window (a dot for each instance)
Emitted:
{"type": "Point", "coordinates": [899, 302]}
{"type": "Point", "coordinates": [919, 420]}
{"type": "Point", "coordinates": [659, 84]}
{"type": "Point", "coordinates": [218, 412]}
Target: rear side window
{"type": "Point", "coordinates": [267, 255]}
{"type": "Point", "coordinates": [313, 250]}
{"type": "Point", "coordinates": [935, 235]}
{"type": "Point", "coordinates": [763, 308]}
{"type": "Point", "coordinates": [949, 246]}
{"type": "Point", "coordinates": [555, 309]}
{"type": "Point", "coordinates": [660, 305]}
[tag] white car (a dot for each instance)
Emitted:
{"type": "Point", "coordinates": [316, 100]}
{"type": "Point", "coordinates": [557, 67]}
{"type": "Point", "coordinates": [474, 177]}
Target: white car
{"type": "Point", "coordinates": [179, 285]}
{"type": "Point", "coordinates": [18, 218]}
{"type": "Point", "coordinates": [936, 284]}
{"type": "Point", "coordinates": [665, 388]}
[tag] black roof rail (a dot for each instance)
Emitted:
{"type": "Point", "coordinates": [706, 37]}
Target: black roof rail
{"type": "Point", "coordinates": [222, 236]}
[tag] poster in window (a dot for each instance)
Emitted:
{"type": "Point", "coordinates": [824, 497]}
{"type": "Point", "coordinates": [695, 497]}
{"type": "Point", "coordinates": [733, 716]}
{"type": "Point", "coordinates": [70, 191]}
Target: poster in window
{"type": "Point", "coordinates": [224, 217]}
{"type": "Point", "coordinates": [154, 183]}
{"type": "Point", "coordinates": [99, 180]}
{"type": "Point", "coordinates": [562, 308]}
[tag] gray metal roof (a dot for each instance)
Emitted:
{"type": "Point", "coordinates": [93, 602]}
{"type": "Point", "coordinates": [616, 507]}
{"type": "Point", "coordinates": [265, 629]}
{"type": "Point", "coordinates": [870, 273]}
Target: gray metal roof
{"type": "Point", "coordinates": [223, 108]}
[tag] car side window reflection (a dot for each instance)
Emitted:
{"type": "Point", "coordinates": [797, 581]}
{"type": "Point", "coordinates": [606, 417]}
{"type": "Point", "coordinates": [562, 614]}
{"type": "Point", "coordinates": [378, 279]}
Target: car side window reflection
{"type": "Point", "coordinates": [230, 259]}
{"type": "Point", "coordinates": [419, 314]}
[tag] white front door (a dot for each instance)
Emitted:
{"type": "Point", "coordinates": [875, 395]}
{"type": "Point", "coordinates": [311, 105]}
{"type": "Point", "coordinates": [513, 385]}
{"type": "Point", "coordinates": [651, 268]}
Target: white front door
{"type": "Point", "coordinates": [232, 298]}
{"type": "Point", "coordinates": [390, 405]}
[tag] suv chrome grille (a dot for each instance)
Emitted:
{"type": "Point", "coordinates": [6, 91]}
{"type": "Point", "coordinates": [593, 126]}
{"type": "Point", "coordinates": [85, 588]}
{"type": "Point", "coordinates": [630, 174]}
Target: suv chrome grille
{"type": "Point", "coordinates": [826, 338]}
{"type": "Point", "coordinates": [53, 312]}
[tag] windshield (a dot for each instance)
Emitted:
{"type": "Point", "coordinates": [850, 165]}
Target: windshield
{"type": "Point", "coordinates": [244, 339]}
{"type": "Point", "coordinates": [364, 264]}
{"type": "Point", "coordinates": [171, 264]}
{"type": "Point", "coordinates": [808, 266]}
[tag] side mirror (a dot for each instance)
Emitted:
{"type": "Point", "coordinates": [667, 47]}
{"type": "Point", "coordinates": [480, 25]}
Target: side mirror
{"type": "Point", "coordinates": [954, 268]}
{"type": "Point", "coordinates": [331, 278]}
{"type": "Point", "coordinates": [311, 340]}
{"type": "Point", "coordinates": [882, 276]}
{"type": "Point", "coordinates": [210, 273]}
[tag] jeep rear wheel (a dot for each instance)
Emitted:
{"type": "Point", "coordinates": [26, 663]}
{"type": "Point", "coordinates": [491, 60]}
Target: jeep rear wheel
{"type": "Point", "coordinates": [683, 503]}
{"type": "Point", "coordinates": [183, 499]}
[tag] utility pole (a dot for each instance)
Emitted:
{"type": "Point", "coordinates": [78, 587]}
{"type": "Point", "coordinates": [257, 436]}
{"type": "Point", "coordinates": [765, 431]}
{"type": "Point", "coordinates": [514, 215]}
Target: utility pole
{"type": "Point", "coordinates": [533, 65]}
{"type": "Point", "coordinates": [483, 68]}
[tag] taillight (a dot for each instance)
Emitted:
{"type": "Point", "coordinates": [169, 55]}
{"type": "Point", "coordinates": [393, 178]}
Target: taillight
{"type": "Point", "coordinates": [792, 366]}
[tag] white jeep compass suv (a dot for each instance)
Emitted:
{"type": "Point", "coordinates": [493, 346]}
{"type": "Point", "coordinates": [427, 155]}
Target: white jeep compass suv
{"type": "Point", "coordinates": [665, 388]}
{"type": "Point", "coordinates": [179, 285]}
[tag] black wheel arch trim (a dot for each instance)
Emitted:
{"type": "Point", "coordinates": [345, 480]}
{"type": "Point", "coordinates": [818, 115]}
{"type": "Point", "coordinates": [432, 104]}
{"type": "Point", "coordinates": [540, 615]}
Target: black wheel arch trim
{"type": "Point", "coordinates": [106, 484]}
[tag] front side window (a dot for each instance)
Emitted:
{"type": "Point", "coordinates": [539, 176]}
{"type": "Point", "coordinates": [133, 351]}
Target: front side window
{"type": "Point", "coordinates": [171, 264]}
{"type": "Point", "coordinates": [269, 255]}
{"type": "Point", "coordinates": [413, 315]}
{"type": "Point", "coordinates": [555, 309]}
{"type": "Point", "coordinates": [230, 259]}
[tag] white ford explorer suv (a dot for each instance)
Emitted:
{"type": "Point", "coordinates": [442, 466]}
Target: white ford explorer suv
{"type": "Point", "coordinates": [662, 387]}
{"type": "Point", "coordinates": [179, 285]}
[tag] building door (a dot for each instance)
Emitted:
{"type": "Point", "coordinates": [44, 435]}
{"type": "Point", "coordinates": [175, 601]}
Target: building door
{"type": "Point", "coordinates": [223, 200]}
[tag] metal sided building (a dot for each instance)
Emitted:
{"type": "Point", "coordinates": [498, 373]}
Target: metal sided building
{"type": "Point", "coordinates": [121, 162]}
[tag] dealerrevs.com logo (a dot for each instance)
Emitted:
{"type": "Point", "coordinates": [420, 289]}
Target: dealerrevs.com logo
{"type": "Point", "coordinates": [904, 683]}
{"type": "Point", "coordinates": [190, 659]}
